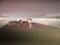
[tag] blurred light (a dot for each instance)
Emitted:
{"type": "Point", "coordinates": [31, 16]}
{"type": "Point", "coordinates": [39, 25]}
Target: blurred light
{"type": "Point", "coordinates": [3, 18]}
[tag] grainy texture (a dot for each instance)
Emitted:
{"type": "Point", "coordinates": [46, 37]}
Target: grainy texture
{"type": "Point", "coordinates": [39, 35]}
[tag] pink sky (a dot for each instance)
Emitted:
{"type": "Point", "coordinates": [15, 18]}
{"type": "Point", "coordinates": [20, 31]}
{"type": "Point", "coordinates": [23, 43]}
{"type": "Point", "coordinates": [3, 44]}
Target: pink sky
{"type": "Point", "coordinates": [44, 8]}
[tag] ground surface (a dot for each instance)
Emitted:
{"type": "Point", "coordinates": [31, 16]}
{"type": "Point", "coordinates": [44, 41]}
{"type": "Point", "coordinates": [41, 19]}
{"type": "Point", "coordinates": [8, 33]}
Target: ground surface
{"type": "Point", "coordinates": [37, 35]}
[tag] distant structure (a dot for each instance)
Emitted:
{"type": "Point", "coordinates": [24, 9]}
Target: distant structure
{"type": "Point", "coordinates": [26, 24]}
{"type": "Point", "coordinates": [30, 24]}
{"type": "Point", "coordinates": [20, 21]}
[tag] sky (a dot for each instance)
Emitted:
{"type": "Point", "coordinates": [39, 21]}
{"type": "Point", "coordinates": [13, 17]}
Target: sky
{"type": "Point", "coordinates": [29, 8]}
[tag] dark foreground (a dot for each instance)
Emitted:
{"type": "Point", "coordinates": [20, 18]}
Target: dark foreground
{"type": "Point", "coordinates": [38, 35]}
